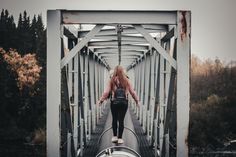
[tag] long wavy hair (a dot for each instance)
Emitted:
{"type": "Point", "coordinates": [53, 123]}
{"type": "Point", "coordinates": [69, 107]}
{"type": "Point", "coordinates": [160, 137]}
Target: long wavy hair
{"type": "Point", "coordinates": [119, 77]}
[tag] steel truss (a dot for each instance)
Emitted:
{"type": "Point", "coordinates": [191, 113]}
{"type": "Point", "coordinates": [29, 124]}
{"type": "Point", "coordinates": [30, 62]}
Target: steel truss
{"type": "Point", "coordinates": [155, 50]}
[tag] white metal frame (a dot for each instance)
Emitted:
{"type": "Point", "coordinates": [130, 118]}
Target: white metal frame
{"type": "Point", "coordinates": [141, 51]}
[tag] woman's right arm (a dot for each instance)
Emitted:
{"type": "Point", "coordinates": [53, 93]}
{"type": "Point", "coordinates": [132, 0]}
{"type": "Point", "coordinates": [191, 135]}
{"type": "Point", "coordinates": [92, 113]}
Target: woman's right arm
{"type": "Point", "coordinates": [132, 92]}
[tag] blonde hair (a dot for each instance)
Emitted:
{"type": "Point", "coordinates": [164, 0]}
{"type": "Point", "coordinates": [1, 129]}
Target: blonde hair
{"type": "Point", "coordinates": [119, 76]}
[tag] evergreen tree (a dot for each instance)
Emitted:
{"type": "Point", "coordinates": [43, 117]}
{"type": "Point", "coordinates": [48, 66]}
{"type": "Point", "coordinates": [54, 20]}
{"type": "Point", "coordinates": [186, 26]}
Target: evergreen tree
{"type": "Point", "coordinates": [19, 32]}
{"type": "Point", "coordinates": [2, 37]}
{"type": "Point", "coordinates": [33, 32]}
{"type": "Point", "coordinates": [41, 85]}
{"type": "Point", "coordinates": [7, 30]}
{"type": "Point", "coordinates": [27, 46]}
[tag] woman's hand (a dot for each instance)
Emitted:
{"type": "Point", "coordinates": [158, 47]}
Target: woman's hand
{"type": "Point", "coordinates": [99, 103]}
{"type": "Point", "coordinates": [138, 104]}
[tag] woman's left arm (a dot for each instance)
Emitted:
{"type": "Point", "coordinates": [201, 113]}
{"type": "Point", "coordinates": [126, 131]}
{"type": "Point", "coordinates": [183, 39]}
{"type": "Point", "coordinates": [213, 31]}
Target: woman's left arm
{"type": "Point", "coordinates": [105, 93]}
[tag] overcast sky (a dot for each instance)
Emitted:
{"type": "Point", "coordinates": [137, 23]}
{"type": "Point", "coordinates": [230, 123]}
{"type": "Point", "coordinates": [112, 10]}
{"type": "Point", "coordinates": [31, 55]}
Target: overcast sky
{"type": "Point", "coordinates": [213, 21]}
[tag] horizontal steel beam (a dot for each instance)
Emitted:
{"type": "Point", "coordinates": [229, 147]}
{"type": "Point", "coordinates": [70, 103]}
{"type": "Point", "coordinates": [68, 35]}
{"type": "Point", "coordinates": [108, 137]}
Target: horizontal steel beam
{"type": "Point", "coordinates": [116, 50]}
{"type": "Point", "coordinates": [115, 62]}
{"type": "Point", "coordinates": [121, 17]}
{"type": "Point", "coordinates": [124, 47]}
{"type": "Point", "coordinates": [146, 26]}
{"type": "Point", "coordinates": [114, 32]}
{"type": "Point", "coordinates": [123, 37]}
{"type": "Point", "coordinates": [122, 54]}
{"type": "Point", "coordinates": [124, 51]}
{"type": "Point", "coordinates": [113, 43]}
{"type": "Point", "coordinates": [123, 57]}
{"type": "Point", "coordinates": [113, 49]}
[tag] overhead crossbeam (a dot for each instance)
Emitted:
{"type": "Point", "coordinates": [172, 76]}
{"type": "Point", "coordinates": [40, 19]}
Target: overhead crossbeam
{"type": "Point", "coordinates": [113, 32]}
{"type": "Point", "coordinates": [121, 17]}
{"type": "Point", "coordinates": [112, 43]}
{"type": "Point", "coordinates": [124, 38]}
{"type": "Point", "coordinates": [115, 54]}
{"type": "Point", "coordinates": [115, 49]}
{"type": "Point", "coordinates": [124, 47]}
{"type": "Point", "coordinates": [123, 57]}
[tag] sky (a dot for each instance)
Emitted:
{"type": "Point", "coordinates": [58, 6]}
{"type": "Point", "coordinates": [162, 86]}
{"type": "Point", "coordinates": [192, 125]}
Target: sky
{"type": "Point", "coordinates": [213, 21]}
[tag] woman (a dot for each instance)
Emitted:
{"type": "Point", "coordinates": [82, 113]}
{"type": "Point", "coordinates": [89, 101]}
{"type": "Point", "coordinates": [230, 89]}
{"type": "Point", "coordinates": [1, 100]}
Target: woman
{"type": "Point", "coordinates": [117, 83]}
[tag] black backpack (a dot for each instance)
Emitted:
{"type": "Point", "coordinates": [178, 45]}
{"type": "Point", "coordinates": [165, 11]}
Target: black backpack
{"type": "Point", "coordinates": [119, 96]}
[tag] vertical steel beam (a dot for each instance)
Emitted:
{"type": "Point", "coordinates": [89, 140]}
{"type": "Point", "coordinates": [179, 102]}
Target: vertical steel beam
{"type": "Point", "coordinates": [161, 104]}
{"type": "Point", "coordinates": [92, 86]}
{"type": "Point", "coordinates": [152, 93]}
{"type": "Point", "coordinates": [167, 88]}
{"type": "Point", "coordinates": [141, 75]}
{"type": "Point", "coordinates": [156, 94]}
{"type": "Point", "coordinates": [89, 94]}
{"type": "Point", "coordinates": [96, 89]}
{"type": "Point", "coordinates": [86, 104]}
{"type": "Point", "coordinates": [76, 106]}
{"type": "Point", "coordinates": [138, 86]}
{"type": "Point", "coordinates": [53, 82]}
{"type": "Point", "coordinates": [183, 59]}
{"type": "Point", "coordinates": [83, 67]}
{"type": "Point", "coordinates": [146, 90]}
{"type": "Point", "coordinates": [81, 105]}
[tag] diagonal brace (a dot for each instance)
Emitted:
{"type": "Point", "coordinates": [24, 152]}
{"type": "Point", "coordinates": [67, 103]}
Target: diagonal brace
{"type": "Point", "coordinates": [157, 46]}
{"type": "Point", "coordinates": [80, 45]}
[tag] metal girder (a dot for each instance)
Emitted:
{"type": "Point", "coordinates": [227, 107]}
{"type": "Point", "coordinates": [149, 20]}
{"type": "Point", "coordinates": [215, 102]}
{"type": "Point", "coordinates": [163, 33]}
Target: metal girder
{"type": "Point", "coordinates": [111, 60]}
{"type": "Point", "coordinates": [157, 46]}
{"type": "Point", "coordinates": [121, 17]}
{"type": "Point", "coordinates": [124, 38]}
{"type": "Point", "coordinates": [133, 47]}
{"type": "Point", "coordinates": [70, 32]}
{"type": "Point", "coordinates": [114, 49]}
{"type": "Point", "coordinates": [124, 47]}
{"type": "Point", "coordinates": [113, 43]}
{"type": "Point", "coordinates": [114, 31]}
{"type": "Point", "coordinates": [146, 26]}
{"type": "Point", "coordinates": [80, 45]}
{"type": "Point", "coordinates": [183, 81]}
{"type": "Point", "coordinates": [168, 35]}
{"type": "Point", "coordinates": [105, 47]}
{"type": "Point", "coordinates": [53, 83]}
{"type": "Point", "coordinates": [124, 52]}
{"type": "Point", "coordinates": [123, 55]}
{"type": "Point", "coordinates": [158, 27]}
{"type": "Point", "coordinates": [123, 59]}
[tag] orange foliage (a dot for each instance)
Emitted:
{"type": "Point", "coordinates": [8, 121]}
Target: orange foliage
{"type": "Point", "coordinates": [26, 67]}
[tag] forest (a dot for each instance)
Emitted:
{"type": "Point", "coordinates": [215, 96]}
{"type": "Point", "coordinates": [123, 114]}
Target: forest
{"type": "Point", "coordinates": [23, 90]}
{"type": "Point", "coordinates": [22, 82]}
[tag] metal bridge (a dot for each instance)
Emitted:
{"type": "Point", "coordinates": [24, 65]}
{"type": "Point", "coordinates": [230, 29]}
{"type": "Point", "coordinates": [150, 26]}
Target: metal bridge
{"type": "Point", "coordinates": [154, 48]}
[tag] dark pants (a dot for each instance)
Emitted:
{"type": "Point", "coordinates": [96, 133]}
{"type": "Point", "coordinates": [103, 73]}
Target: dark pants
{"type": "Point", "coordinates": [118, 112]}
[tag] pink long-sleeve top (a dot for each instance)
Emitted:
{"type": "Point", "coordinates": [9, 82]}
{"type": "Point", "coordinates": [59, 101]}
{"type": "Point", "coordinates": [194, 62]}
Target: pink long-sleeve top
{"type": "Point", "coordinates": [128, 90]}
